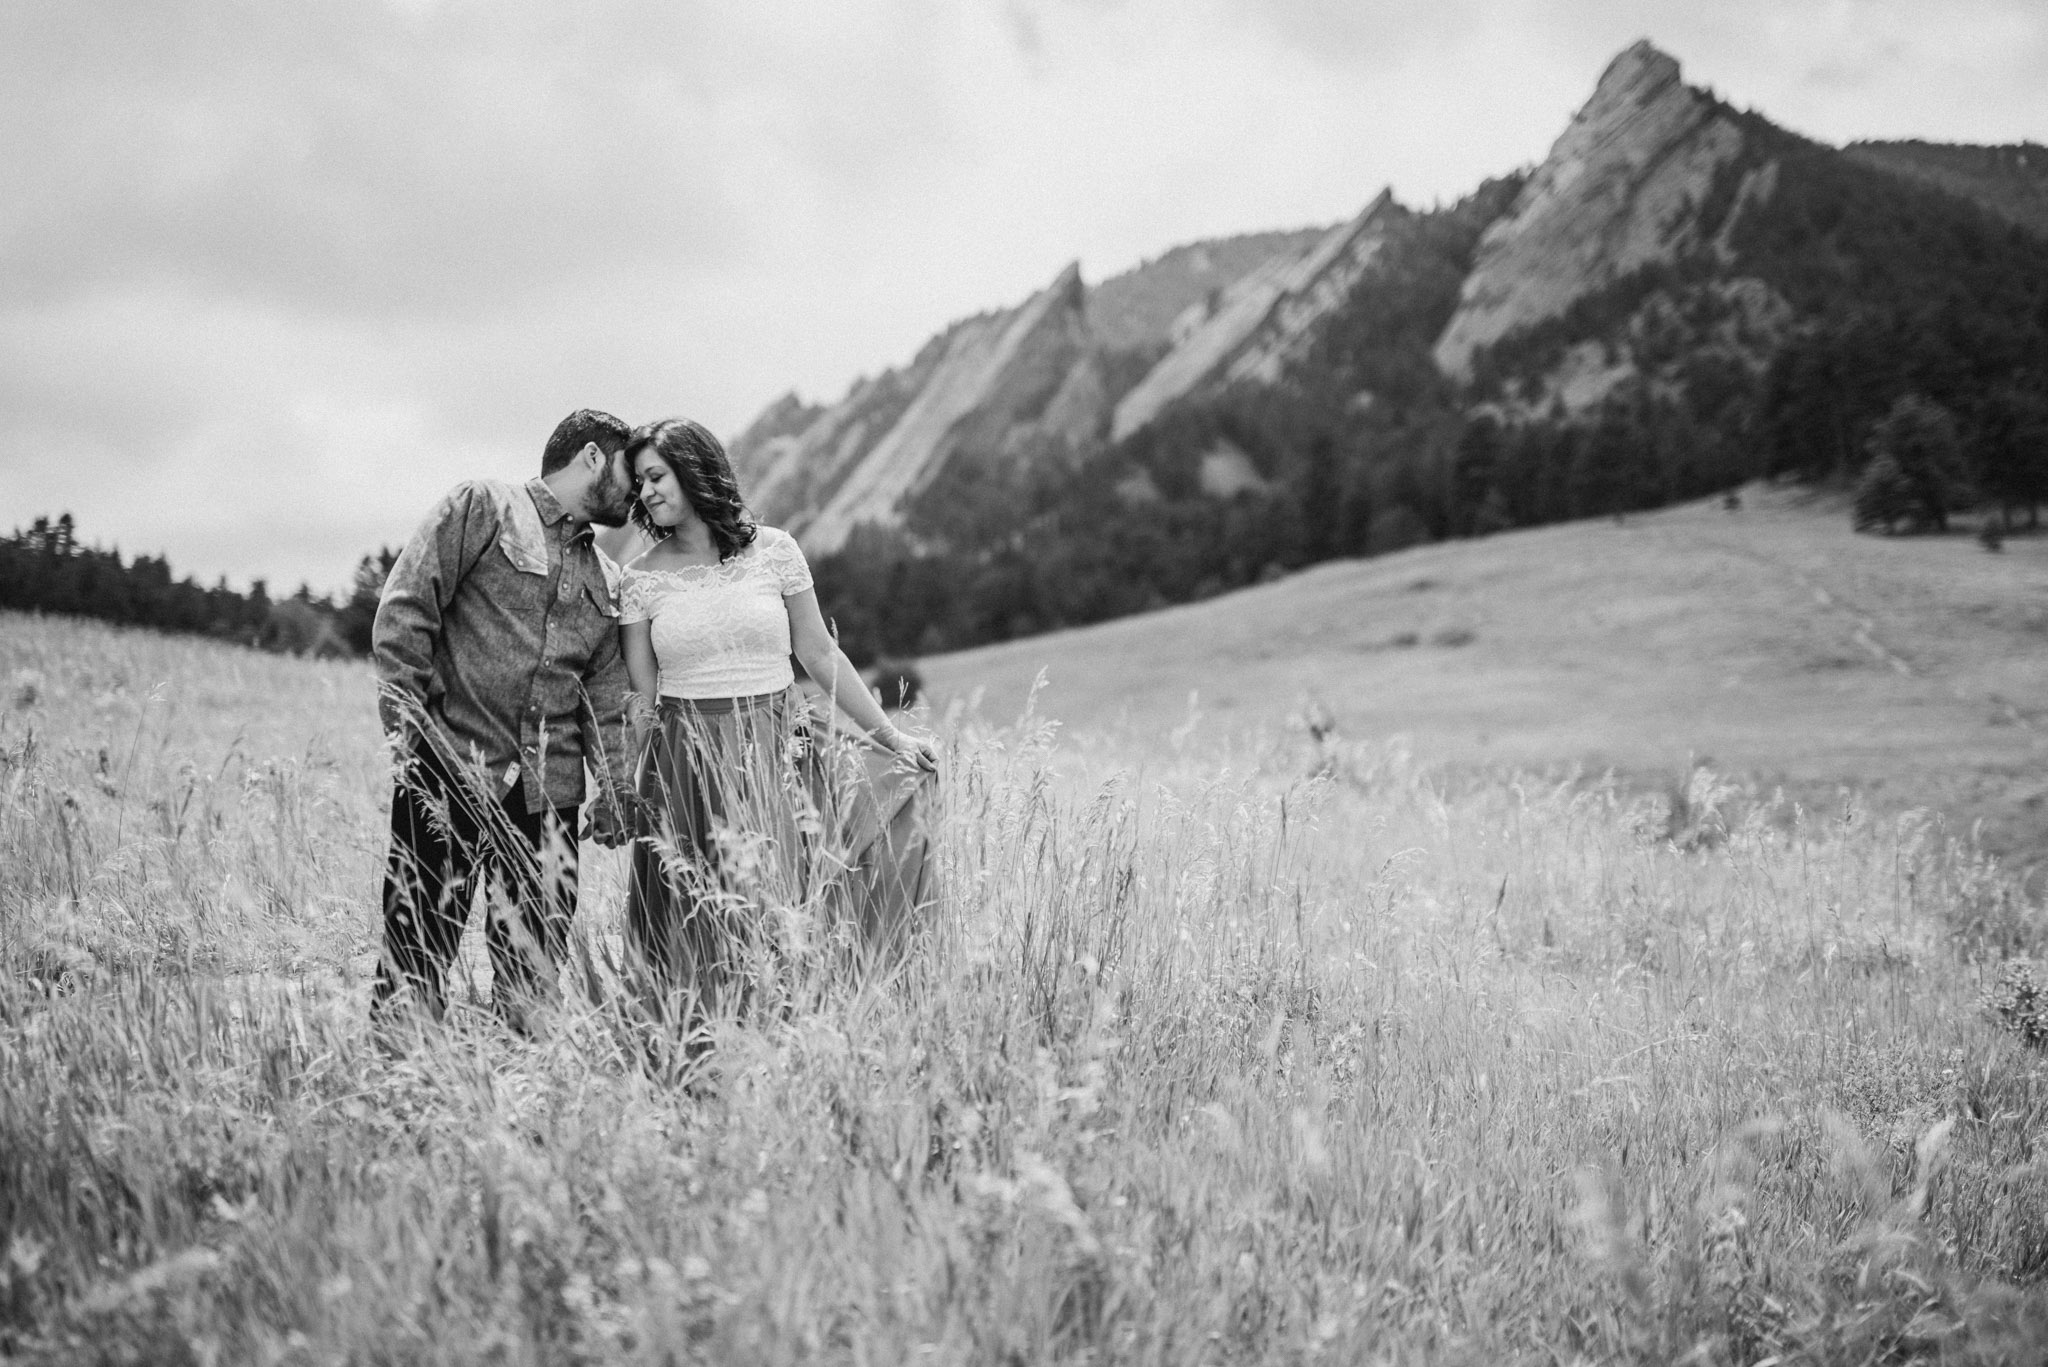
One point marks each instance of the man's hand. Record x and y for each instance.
(607, 825)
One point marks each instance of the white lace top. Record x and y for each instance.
(721, 631)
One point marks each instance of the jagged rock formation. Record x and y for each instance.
(1225, 471)
(1258, 324)
(1004, 385)
(1739, 320)
(1004, 369)
(1619, 190)
(1138, 309)
(820, 472)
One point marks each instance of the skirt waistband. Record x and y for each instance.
(718, 706)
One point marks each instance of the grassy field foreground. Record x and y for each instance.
(1235, 1055)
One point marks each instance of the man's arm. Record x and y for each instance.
(422, 583)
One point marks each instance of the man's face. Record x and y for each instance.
(611, 493)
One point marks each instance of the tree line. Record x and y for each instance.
(47, 568)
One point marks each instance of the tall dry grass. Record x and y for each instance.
(1212, 1056)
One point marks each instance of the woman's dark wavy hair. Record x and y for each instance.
(703, 470)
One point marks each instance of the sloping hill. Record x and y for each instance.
(1770, 641)
(2012, 182)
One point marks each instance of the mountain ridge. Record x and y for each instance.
(820, 470)
(2011, 181)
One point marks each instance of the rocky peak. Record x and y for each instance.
(785, 417)
(1005, 365)
(1155, 303)
(1619, 190)
(1251, 330)
(1637, 75)
(1068, 290)
(1004, 385)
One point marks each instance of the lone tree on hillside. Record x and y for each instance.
(1883, 497)
(1916, 473)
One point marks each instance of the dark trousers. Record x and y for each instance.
(448, 841)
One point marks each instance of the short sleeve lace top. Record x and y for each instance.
(721, 631)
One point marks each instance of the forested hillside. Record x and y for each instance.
(2010, 181)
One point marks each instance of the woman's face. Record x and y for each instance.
(660, 494)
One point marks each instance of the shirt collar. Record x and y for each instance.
(551, 509)
(552, 512)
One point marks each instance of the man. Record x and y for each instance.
(500, 675)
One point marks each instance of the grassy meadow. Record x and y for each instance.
(1234, 1047)
(1770, 642)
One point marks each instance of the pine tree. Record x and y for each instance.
(1919, 437)
(2013, 451)
(1884, 497)
(359, 613)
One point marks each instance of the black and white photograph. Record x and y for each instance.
(1024, 681)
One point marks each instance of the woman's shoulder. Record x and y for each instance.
(778, 552)
(656, 560)
(774, 544)
(636, 571)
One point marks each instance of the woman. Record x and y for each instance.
(755, 837)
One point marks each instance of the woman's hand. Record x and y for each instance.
(921, 751)
(640, 715)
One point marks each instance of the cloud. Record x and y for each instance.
(336, 156)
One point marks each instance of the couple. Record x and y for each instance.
(511, 652)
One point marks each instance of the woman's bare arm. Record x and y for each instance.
(827, 664)
(643, 678)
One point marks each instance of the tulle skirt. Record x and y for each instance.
(766, 847)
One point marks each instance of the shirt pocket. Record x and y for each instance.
(520, 595)
(524, 546)
(597, 619)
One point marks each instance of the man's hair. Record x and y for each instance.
(578, 430)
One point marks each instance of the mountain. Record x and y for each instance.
(1680, 297)
(1020, 373)
(1620, 190)
(1252, 330)
(1007, 385)
(1147, 306)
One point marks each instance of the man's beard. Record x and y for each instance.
(611, 498)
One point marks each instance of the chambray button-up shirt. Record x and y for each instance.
(500, 618)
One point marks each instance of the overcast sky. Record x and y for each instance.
(273, 275)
